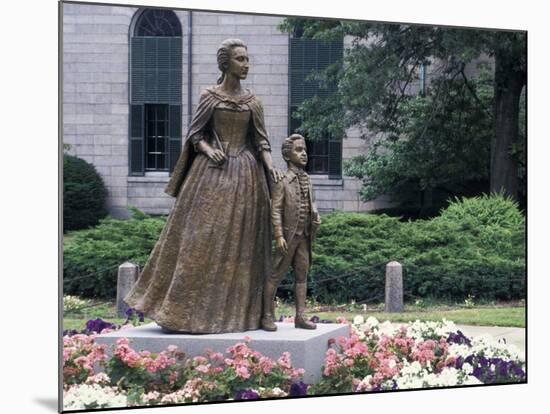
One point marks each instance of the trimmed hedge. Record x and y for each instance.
(84, 194)
(91, 257)
(476, 247)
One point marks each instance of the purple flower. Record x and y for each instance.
(98, 325)
(298, 389)
(516, 369)
(477, 373)
(246, 395)
(458, 338)
(314, 319)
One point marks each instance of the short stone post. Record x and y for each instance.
(394, 287)
(127, 277)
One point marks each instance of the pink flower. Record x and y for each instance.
(242, 372)
(200, 360)
(202, 368)
(122, 341)
(132, 359)
(150, 365)
(67, 352)
(266, 365)
(284, 360)
(341, 319)
(172, 348)
(172, 377)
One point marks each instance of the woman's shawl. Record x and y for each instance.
(199, 129)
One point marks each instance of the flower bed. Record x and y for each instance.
(374, 357)
(384, 356)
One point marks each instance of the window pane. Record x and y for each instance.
(161, 162)
(161, 144)
(150, 161)
(161, 129)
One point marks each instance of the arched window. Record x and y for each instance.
(155, 91)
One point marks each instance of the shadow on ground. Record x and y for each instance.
(49, 403)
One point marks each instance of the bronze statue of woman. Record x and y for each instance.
(205, 273)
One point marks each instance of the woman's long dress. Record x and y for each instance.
(206, 272)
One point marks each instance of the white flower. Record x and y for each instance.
(365, 385)
(386, 328)
(99, 378)
(459, 350)
(92, 396)
(467, 368)
(358, 320)
(371, 322)
(153, 395)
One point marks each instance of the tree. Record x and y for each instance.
(465, 127)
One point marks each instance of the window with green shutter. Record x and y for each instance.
(305, 57)
(155, 91)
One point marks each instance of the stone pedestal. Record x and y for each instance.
(394, 287)
(307, 347)
(127, 276)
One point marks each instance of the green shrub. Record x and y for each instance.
(475, 247)
(91, 257)
(84, 194)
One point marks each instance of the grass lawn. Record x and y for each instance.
(482, 314)
(486, 315)
(476, 316)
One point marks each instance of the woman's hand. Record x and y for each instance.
(276, 174)
(215, 155)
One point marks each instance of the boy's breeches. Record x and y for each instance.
(297, 256)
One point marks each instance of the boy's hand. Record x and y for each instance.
(281, 245)
(317, 219)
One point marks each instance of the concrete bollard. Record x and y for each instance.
(127, 276)
(394, 287)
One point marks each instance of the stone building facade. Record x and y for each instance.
(96, 88)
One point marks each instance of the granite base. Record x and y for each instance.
(307, 347)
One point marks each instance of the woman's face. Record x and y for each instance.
(238, 63)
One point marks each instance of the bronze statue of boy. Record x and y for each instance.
(295, 222)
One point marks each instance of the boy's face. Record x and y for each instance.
(298, 155)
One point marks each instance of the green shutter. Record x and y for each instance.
(137, 142)
(174, 147)
(156, 70)
(307, 55)
(335, 158)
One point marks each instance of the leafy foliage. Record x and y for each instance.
(91, 258)
(438, 139)
(476, 247)
(84, 194)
